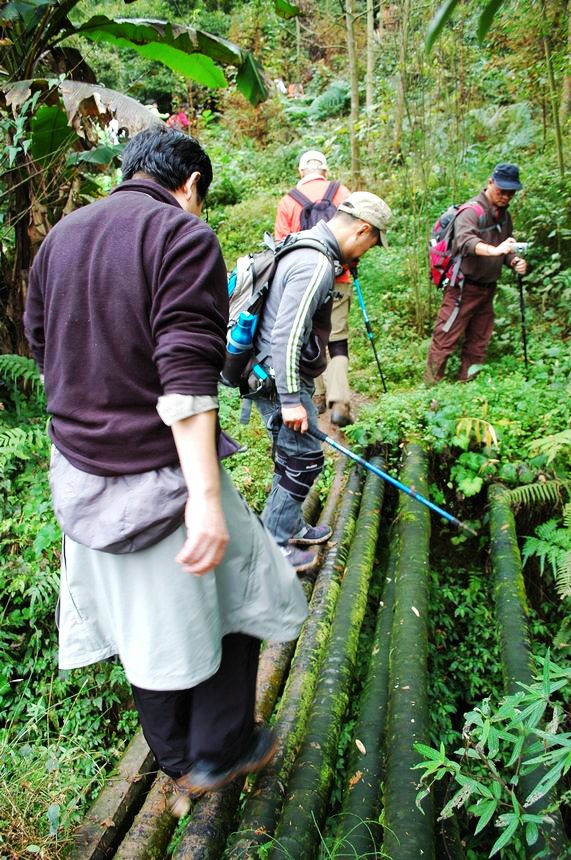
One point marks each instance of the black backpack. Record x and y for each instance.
(320, 210)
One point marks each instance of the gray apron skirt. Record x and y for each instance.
(166, 625)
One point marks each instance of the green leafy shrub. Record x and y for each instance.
(241, 228)
(502, 743)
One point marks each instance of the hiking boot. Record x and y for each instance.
(180, 801)
(340, 414)
(300, 560)
(320, 403)
(311, 535)
(206, 775)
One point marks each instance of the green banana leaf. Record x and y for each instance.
(51, 133)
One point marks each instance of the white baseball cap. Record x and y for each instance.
(313, 158)
(370, 208)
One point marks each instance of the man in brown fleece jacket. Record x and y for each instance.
(485, 243)
(163, 565)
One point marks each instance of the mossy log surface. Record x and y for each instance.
(358, 827)
(409, 833)
(151, 831)
(517, 665)
(304, 810)
(211, 823)
(112, 813)
(263, 804)
(509, 592)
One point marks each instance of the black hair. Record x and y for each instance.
(167, 156)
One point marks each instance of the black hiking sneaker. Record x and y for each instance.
(301, 561)
(206, 775)
(311, 535)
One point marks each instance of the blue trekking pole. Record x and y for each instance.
(367, 323)
(318, 434)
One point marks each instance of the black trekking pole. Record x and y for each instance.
(523, 328)
(367, 324)
(521, 248)
(318, 434)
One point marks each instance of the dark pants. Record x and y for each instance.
(475, 322)
(213, 720)
(282, 514)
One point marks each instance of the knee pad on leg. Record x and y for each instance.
(298, 472)
(338, 347)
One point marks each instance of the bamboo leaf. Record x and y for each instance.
(485, 809)
(506, 835)
(438, 22)
(486, 17)
(550, 779)
(531, 833)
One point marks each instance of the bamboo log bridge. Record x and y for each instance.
(305, 690)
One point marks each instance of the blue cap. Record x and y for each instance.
(506, 176)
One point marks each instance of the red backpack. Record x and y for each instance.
(444, 268)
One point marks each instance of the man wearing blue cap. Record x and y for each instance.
(483, 240)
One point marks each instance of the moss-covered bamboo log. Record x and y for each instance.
(359, 832)
(113, 810)
(151, 831)
(262, 806)
(409, 833)
(212, 820)
(304, 811)
(517, 664)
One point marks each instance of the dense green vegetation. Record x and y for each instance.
(430, 129)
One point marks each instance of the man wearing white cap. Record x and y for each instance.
(291, 340)
(313, 199)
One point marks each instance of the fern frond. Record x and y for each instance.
(563, 575)
(563, 637)
(44, 589)
(21, 443)
(551, 445)
(539, 493)
(18, 368)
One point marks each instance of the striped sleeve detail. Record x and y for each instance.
(294, 340)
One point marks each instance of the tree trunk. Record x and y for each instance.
(369, 83)
(401, 85)
(354, 79)
(552, 94)
(565, 105)
(13, 294)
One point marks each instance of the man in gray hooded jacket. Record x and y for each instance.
(292, 339)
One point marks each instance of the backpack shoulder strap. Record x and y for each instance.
(332, 190)
(294, 240)
(472, 204)
(300, 198)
